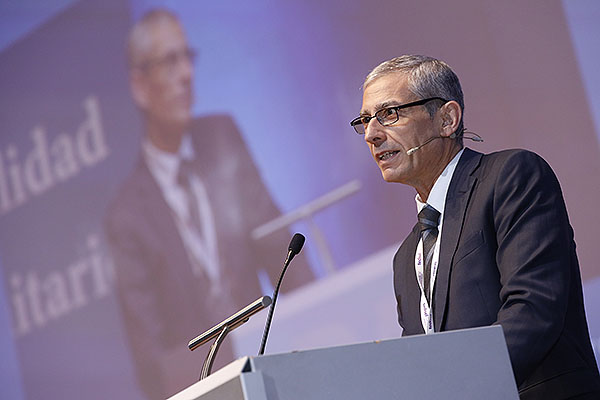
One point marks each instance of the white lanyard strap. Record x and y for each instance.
(425, 308)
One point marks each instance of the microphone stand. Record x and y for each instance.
(210, 358)
(221, 330)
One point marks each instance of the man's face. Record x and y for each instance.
(163, 85)
(388, 144)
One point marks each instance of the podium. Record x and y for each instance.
(462, 364)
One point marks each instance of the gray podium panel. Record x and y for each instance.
(465, 364)
(234, 381)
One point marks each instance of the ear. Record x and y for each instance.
(450, 115)
(139, 88)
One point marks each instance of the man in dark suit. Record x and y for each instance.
(179, 229)
(493, 244)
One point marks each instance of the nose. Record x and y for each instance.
(374, 133)
(185, 68)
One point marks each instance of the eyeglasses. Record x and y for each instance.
(170, 60)
(388, 115)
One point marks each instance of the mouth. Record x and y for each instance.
(386, 155)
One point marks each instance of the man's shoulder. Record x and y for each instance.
(213, 122)
(216, 133)
(519, 160)
(515, 154)
(505, 171)
(517, 171)
(137, 178)
(136, 188)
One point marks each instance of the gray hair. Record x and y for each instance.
(139, 42)
(427, 77)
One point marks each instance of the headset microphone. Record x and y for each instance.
(413, 149)
(472, 136)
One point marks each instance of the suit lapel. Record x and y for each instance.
(167, 239)
(408, 284)
(457, 200)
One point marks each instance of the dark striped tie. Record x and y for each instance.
(184, 179)
(429, 219)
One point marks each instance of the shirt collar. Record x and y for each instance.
(437, 196)
(164, 165)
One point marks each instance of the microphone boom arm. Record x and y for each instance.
(232, 322)
(221, 330)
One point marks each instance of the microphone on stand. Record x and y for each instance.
(294, 248)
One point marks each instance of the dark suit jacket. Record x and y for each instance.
(507, 257)
(163, 304)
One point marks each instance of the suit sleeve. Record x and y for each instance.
(534, 242)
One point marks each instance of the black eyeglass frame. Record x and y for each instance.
(169, 60)
(361, 122)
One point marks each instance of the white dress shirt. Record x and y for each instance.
(200, 242)
(437, 200)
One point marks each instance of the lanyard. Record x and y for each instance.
(425, 308)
